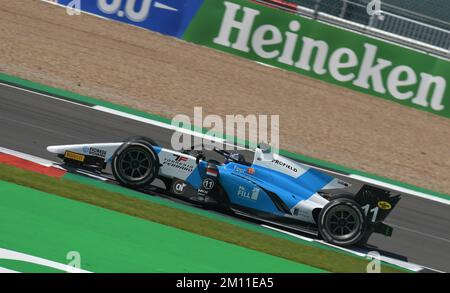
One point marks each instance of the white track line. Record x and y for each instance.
(91, 175)
(14, 255)
(164, 125)
(128, 116)
(288, 233)
(7, 271)
(37, 160)
(221, 140)
(44, 95)
(158, 124)
(400, 263)
(426, 235)
(400, 189)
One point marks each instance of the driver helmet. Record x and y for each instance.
(235, 157)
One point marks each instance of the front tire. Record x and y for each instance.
(135, 164)
(342, 222)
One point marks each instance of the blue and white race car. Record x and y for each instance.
(271, 188)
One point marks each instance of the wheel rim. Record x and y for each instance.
(342, 222)
(135, 164)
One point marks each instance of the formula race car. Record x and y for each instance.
(271, 188)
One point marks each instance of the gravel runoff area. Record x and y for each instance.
(166, 76)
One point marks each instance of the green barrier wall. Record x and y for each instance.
(324, 52)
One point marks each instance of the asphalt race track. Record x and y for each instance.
(30, 122)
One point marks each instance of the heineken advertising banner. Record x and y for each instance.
(324, 52)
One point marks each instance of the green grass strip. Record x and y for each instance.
(296, 251)
(24, 267)
(50, 227)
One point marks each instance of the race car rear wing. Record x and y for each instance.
(377, 204)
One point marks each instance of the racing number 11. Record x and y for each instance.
(374, 211)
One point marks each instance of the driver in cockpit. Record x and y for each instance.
(237, 158)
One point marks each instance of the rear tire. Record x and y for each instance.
(342, 222)
(135, 164)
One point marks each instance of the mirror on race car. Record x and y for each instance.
(265, 147)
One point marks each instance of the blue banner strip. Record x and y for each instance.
(169, 17)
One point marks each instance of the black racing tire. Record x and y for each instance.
(135, 164)
(342, 222)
